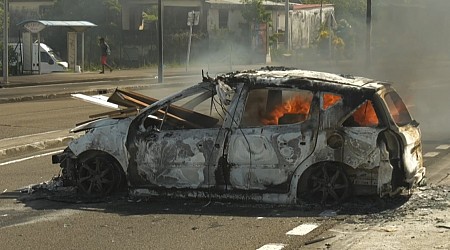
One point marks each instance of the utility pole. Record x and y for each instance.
(368, 32)
(5, 42)
(286, 24)
(160, 43)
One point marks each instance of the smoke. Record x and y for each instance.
(410, 47)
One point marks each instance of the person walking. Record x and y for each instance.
(106, 51)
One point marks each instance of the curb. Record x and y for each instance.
(37, 146)
(28, 84)
(67, 94)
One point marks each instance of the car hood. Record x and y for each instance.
(95, 124)
(64, 64)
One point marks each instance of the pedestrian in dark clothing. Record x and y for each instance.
(106, 51)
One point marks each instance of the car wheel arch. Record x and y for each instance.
(117, 167)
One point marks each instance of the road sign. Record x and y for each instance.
(193, 18)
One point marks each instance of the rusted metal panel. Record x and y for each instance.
(176, 158)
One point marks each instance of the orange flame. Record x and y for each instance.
(365, 116)
(330, 99)
(298, 105)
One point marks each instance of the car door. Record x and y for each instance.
(176, 146)
(277, 131)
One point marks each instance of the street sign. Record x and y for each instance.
(34, 27)
(193, 18)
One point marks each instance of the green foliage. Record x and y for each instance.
(106, 14)
(150, 14)
(255, 12)
(177, 43)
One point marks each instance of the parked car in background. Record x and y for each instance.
(275, 135)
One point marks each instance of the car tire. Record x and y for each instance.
(325, 183)
(98, 175)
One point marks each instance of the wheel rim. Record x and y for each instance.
(96, 176)
(328, 184)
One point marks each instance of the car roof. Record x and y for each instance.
(274, 75)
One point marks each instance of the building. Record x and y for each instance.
(221, 25)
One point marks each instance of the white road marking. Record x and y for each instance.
(443, 147)
(431, 154)
(29, 158)
(302, 229)
(272, 246)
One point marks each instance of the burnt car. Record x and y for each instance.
(276, 135)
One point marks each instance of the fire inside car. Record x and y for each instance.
(275, 135)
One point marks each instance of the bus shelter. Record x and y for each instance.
(34, 27)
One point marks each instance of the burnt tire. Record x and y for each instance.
(98, 175)
(326, 184)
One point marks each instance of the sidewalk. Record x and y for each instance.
(116, 74)
(65, 77)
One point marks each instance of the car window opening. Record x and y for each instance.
(276, 107)
(329, 100)
(202, 110)
(364, 116)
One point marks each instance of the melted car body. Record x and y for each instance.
(274, 135)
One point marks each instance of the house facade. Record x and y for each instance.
(222, 19)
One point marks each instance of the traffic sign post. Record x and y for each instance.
(193, 19)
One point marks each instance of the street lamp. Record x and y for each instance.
(286, 24)
(160, 43)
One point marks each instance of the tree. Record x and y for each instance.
(255, 12)
(258, 19)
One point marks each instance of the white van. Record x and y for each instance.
(49, 60)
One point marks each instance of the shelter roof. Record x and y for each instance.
(78, 26)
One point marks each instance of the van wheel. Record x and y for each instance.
(98, 176)
(326, 184)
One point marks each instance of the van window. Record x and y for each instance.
(364, 116)
(276, 107)
(45, 57)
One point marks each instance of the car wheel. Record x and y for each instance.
(326, 184)
(98, 175)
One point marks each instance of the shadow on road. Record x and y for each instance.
(123, 205)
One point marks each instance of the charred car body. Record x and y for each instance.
(272, 135)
